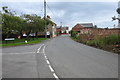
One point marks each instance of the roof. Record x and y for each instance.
(87, 25)
(78, 26)
(58, 26)
(65, 28)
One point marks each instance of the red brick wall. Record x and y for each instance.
(98, 33)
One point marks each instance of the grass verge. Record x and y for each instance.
(109, 43)
(21, 42)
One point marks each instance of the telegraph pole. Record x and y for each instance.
(61, 26)
(45, 18)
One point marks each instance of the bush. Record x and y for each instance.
(74, 35)
(109, 40)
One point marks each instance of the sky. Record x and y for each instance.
(69, 13)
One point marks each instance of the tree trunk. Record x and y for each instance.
(36, 35)
(28, 33)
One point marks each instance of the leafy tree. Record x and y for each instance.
(11, 24)
(6, 10)
(34, 24)
(0, 25)
(114, 18)
(95, 26)
(118, 10)
(27, 23)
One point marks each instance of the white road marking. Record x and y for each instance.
(19, 53)
(38, 51)
(51, 69)
(44, 54)
(49, 65)
(46, 58)
(48, 62)
(55, 76)
(44, 49)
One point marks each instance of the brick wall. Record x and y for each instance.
(92, 33)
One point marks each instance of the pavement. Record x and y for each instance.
(59, 57)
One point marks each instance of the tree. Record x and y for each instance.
(17, 24)
(8, 11)
(95, 26)
(34, 24)
(114, 18)
(0, 25)
(11, 24)
(118, 10)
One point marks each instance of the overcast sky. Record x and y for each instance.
(70, 13)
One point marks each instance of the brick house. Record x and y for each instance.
(90, 33)
(83, 28)
(77, 28)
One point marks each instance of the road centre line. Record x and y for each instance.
(51, 69)
(44, 49)
(46, 58)
(55, 76)
(38, 51)
(49, 65)
(48, 62)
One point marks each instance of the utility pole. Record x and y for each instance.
(61, 26)
(45, 18)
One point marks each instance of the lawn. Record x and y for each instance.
(17, 42)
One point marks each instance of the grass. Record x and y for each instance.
(18, 42)
(108, 40)
(108, 43)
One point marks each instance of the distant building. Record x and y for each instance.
(77, 28)
(87, 25)
(52, 30)
(58, 30)
(62, 30)
(65, 30)
(82, 26)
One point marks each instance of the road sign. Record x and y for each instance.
(48, 33)
(8, 39)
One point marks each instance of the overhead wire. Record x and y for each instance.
(59, 19)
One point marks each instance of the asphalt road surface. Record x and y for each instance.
(59, 57)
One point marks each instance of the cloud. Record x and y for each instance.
(60, 0)
(97, 13)
(70, 13)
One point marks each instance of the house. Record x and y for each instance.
(77, 28)
(52, 30)
(65, 30)
(58, 30)
(87, 25)
(83, 28)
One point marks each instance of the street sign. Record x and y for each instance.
(48, 33)
(8, 39)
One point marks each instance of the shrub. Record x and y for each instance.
(111, 39)
(108, 40)
(74, 34)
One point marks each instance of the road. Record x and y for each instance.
(59, 57)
